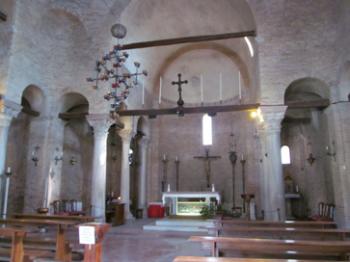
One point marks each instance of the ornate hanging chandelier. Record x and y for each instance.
(111, 68)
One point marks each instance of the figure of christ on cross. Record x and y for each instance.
(207, 160)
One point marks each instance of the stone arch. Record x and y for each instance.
(77, 150)
(306, 89)
(33, 97)
(74, 101)
(305, 131)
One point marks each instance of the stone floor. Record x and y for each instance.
(129, 243)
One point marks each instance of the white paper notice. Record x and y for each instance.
(87, 235)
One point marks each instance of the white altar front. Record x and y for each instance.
(189, 203)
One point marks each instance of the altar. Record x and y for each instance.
(189, 203)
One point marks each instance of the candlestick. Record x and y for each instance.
(239, 86)
(220, 86)
(160, 89)
(201, 88)
(242, 157)
(176, 158)
(143, 93)
(8, 171)
(164, 157)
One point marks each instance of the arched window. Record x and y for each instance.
(285, 155)
(207, 130)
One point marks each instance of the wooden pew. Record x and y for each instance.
(233, 259)
(17, 235)
(81, 219)
(275, 247)
(63, 252)
(287, 223)
(296, 233)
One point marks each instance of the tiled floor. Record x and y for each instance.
(129, 243)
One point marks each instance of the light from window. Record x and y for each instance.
(250, 46)
(207, 130)
(285, 155)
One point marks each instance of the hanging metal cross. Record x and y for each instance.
(179, 83)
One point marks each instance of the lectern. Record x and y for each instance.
(91, 236)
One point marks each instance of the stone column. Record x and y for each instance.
(126, 135)
(100, 124)
(272, 187)
(8, 110)
(143, 174)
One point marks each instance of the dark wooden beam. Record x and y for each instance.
(185, 40)
(30, 112)
(69, 116)
(319, 103)
(211, 110)
(3, 17)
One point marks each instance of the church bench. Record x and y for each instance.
(295, 233)
(81, 219)
(287, 223)
(274, 247)
(234, 259)
(17, 235)
(62, 252)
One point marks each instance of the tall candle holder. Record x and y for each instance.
(165, 167)
(177, 169)
(8, 174)
(243, 162)
(233, 160)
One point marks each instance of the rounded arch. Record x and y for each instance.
(33, 97)
(306, 89)
(216, 50)
(74, 101)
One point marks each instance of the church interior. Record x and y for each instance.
(174, 130)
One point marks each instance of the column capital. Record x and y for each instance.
(126, 134)
(100, 123)
(8, 110)
(273, 116)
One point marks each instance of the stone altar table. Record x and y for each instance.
(189, 203)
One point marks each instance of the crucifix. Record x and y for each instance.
(180, 101)
(207, 160)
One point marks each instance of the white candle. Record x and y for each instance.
(7, 186)
(160, 90)
(176, 158)
(164, 156)
(220, 79)
(242, 157)
(8, 170)
(239, 85)
(202, 88)
(143, 93)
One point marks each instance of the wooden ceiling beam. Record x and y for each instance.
(211, 110)
(3, 16)
(189, 39)
(319, 103)
(30, 111)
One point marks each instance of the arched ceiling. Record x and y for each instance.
(153, 19)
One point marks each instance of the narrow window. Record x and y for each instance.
(285, 155)
(207, 130)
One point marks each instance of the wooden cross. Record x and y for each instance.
(3, 17)
(179, 83)
(207, 159)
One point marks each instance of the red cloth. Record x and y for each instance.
(155, 211)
